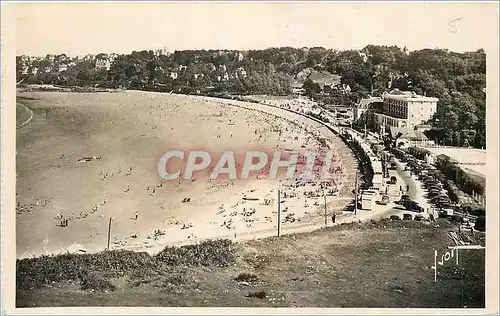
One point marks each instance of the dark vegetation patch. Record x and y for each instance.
(93, 270)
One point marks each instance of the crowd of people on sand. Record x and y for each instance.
(287, 133)
(31, 207)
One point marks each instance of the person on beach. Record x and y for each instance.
(333, 218)
(136, 215)
(407, 188)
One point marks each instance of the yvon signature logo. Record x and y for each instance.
(447, 256)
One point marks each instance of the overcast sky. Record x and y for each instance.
(81, 28)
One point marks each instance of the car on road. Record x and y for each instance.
(441, 199)
(413, 206)
(434, 193)
(448, 211)
(403, 198)
(419, 217)
(407, 217)
(385, 200)
(444, 205)
(431, 182)
(393, 180)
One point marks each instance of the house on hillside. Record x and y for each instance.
(62, 67)
(102, 64)
(297, 88)
(173, 75)
(241, 72)
(239, 57)
(364, 56)
(61, 58)
(88, 57)
(409, 136)
(345, 88)
(211, 67)
(24, 70)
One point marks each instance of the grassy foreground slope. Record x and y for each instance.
(377, 264)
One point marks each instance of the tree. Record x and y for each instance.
(480, 224)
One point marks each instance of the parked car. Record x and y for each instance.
(444, 204)
(418, 217)
(433, 194)
(385, 200)
(393, 180)
(403, 198)
(394, 218)
(440, 199)
(413, 206)
(446, 211)
(407, 217)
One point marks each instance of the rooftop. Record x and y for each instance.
(366, 102)
(408, 133)
(407, 95)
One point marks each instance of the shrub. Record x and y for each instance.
(95, 281)
(261, 294)
(480, 224)
(42, 271)
(246, 277)
(210, 252)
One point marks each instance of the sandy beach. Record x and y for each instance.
(126, 133)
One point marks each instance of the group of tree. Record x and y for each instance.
(457, 79)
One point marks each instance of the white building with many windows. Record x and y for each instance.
(406, 109)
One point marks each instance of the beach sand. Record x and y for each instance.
(128, 132)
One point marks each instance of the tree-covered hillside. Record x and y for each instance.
(457, 79)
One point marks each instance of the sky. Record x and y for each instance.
(82, 28)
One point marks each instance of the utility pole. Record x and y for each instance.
(279, 213)
(324, 195)
(109, 232)
(356, 194)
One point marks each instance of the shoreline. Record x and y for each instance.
(30, 111)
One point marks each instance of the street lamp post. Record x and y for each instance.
(356, 193)
(324, 197)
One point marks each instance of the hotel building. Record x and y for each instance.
(405, 109)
